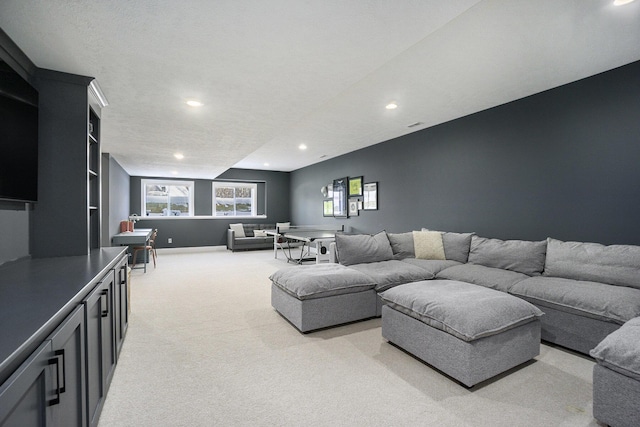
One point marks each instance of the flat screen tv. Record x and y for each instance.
(18, 137)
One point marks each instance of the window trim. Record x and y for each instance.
(254, 198)
(167, 182)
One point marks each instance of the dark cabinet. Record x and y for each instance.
(100, 344)
(121, 302)
(49, 387)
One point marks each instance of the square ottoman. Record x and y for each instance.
(469, 332)
(616, 377)
(318, 296)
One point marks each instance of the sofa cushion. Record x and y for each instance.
(461, 309)
(387, 274)
(238, 230)
(320, 280)
(614, 264)
(402, 245)
(591, 299)
(361, 248)
(433, 266)
(259, 233)
(456, 245)
(516, 255)
(489, 277)
(620, 350)
(428, 245)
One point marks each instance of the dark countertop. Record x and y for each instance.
(37, 294)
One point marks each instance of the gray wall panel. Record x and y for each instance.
(562, 163)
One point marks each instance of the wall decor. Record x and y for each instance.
(327, 209)
(330, 190)
(370, 191)
(353, 207)
(340, 198)
(355, 186)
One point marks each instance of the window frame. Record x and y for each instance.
(168, 183)
(235, 184)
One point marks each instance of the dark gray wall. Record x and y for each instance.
(563, 163)
(208, 231)
(115, 197)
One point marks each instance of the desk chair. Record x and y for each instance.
(150, 248)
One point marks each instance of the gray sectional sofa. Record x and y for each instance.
(585, 290)
(249, 236)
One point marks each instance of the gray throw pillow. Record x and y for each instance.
(362, 248)
(402, 245)
(614, 264)
(515, 255)
(619, 351)
(456, 245)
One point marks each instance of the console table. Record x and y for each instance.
(138, 237)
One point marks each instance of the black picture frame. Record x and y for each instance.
(355, 186)
(340, 208)
(370, 196)
(354, 207)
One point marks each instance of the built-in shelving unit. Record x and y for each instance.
(93, 153)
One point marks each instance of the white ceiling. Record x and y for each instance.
(275, 74)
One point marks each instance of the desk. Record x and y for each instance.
(139, 237)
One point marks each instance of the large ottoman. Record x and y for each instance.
(469, 332)
(318, 296)
(616, 377)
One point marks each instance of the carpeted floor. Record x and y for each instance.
(205, 348)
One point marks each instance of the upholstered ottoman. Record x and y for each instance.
(322, 295)
(616, 377)
(469, 332)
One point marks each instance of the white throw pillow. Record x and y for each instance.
(428, 245)
(259, 233)
(238, 229)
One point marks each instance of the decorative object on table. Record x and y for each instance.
(340, 198)
(355, 186)
(370, 193)
(353, 207)
(327, 207)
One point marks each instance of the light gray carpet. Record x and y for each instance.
(205, 348)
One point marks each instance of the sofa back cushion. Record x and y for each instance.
(362, 248)
(614, 264)
(402, 245)
(515, 255)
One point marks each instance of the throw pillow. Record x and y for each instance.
(456, 245)
(238, 229)
(259, 233)
(402, 245)
(362, 248)
(428, 245)
(283, 226)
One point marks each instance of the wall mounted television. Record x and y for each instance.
(18, 137)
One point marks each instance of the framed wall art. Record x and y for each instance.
(353, 207)
(355, 186)
(327, 209)
(370, 194)
(340, 198)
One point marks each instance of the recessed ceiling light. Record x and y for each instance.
(194, 103)
(302, 147)
(266, 164)
(174, 172)
(621, 2)
(179, 156)
(391, 106)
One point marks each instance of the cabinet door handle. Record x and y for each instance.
(55, 400)
(123, 274)
(64, 369)
(105, 313)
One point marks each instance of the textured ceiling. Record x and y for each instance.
(276, 74)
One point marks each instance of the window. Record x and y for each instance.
(234, 199)
(167, 198)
